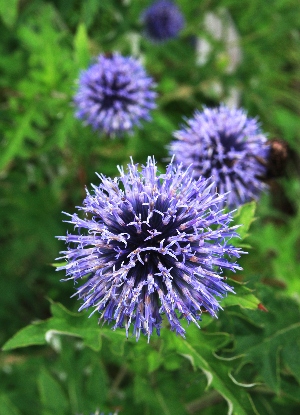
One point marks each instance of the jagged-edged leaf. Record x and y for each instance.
(63, 322)
(243, 297)
(275, 345)
(201, 355)
(267, 352)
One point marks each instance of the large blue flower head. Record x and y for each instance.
(226, 145)
(115, 94)
(151, 244)
(162, 20)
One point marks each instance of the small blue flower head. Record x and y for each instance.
(151, 244)
(114, 94)
(162, 20)
(226, 145)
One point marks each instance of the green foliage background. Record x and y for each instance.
(60, 362)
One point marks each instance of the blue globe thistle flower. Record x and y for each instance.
(151, 244)
(226, 145)
(162, 20)
(115, 94)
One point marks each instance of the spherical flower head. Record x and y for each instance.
(162, 20)
(226, 145)
(151, 244)
(115, 94)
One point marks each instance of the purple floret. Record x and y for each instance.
(151, 244)
(115, 94)
(226, 145)
(162, 20)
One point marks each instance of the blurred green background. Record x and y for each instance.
(47, 157)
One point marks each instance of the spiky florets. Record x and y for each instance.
(115, 94)
(156, 244)
(226, 145)
(162, 20)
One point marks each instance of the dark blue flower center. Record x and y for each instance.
(107, 94)
(225, 150)
(147, 233)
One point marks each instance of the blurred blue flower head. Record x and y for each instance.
(115, 94)
(151, 244)
(226, 145)
(162, 20)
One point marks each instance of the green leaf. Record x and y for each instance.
(201, 356)
(89, 10)
(63, 322)
(172, 362)
(244, 217)
(278, 246)
(154, 360)
(160, 396)
(7, 407)
(9, 11)
(274, 347)
(243, 297)
(266, 354)
(15, 142)
(81, 46)
(51, 393)
(117, 340)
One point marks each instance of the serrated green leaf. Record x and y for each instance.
(265, 355)
(275, 346)
(33, 334)
(63, 322)
(243, 296)
(217, 372)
